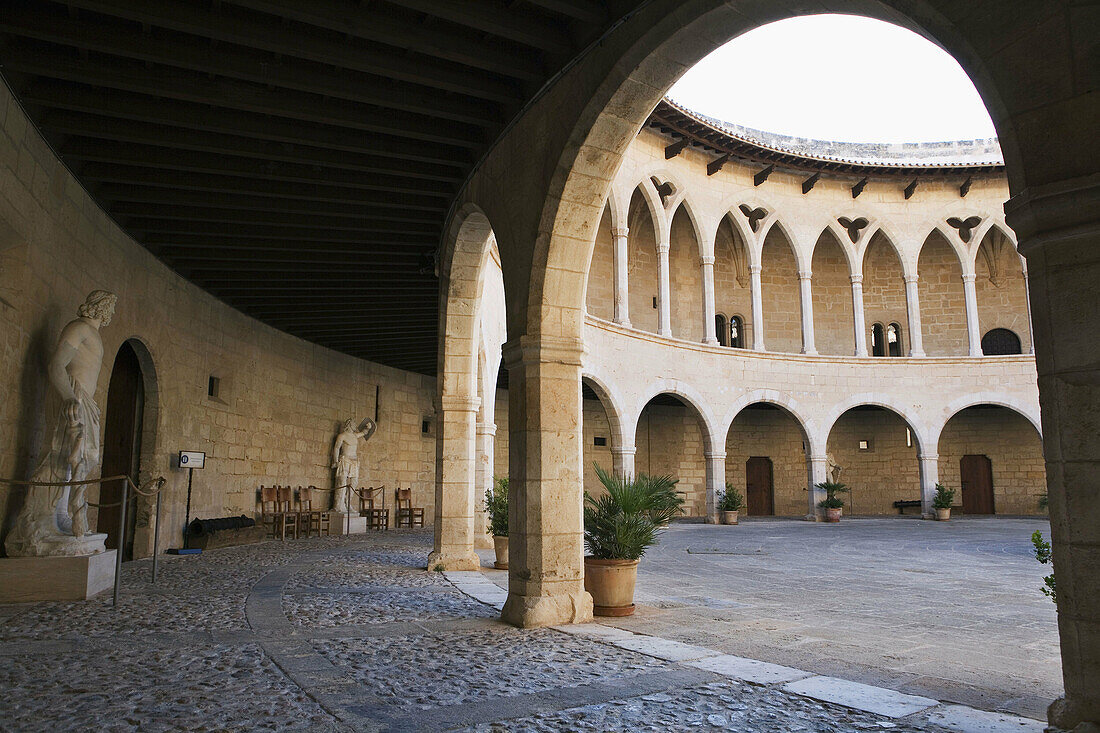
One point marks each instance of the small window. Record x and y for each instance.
(654, 302)
(908, 438)
(867, 446)
(720, 331)
(425, 426)
(893, 339)
(213, 387)
(1001, 342)
(878, 340)
(737, 332)
(599, 441)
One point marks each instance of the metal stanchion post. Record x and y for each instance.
(121, 536)
(156, 537)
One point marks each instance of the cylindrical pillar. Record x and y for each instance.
(707, 264)
(716, 482)
(622, 460)
(806, 296)
(622, 278)
(483, 480)
(929, 477)
(973, 331)
(857, 315)
(912, 305)
(1030, 326)
(757, 309)
(456, 448)
(664, 292)
(819, 472)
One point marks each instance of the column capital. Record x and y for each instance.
(856, 279)
(663, 248)
(822, 457)
(623, 450)
(542, 350)
(486, 428)
(711, 455)
(459, 403)
(707, 259)
(620, 231)
(805, 274)
(928, 457)
(910, 278)
(969, 277)
(1054, 212)
(754, 269)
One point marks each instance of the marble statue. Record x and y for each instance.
(54, 519)
(834, 468)
(345, 461)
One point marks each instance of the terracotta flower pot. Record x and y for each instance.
(729, 517)
(611, 583)
(832, 515)
(942, 515)
(501, 546)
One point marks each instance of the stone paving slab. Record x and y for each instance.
(749, 670)
(596, 631)
(968, 720)
(857, 695)
(655, 646)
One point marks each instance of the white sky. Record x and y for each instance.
(837, 77)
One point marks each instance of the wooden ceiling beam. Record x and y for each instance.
(203, 221)
(246, 65)
(495, 19)
(189, 86)
(129, 201)
(351, 249)
(582, 10)
(165, 159)
(132, 132)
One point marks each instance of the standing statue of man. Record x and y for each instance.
(834, 468)
(48, 525)
(345, 460)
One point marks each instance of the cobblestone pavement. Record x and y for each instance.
(948, 610)
(352, 634)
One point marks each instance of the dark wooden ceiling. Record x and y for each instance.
(295, 158)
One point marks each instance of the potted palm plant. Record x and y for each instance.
(942, 502)
(729, 503)
(832, 504)
(619, 526)
(496, 504)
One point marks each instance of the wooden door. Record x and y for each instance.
(977, 484)
(121, 443)
(759, 493)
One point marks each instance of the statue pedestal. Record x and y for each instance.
(340, 524)
(72, 578)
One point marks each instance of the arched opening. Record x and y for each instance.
(766, 460)
(943, 304)
(883, 288)
(737, 336)
(993, 456)
(721, 329)
(893, 339)
(1001, 342)
(600, 298)
(878, 340)
(598, 436)
(685, 278)
(1000, 288)
(876, 450)
(492, 333)
(832, 298)
(670, 439)
(643, 284)
(780, 294)
(732, 283)
(122, 446)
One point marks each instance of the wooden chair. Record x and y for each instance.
(372, 505)
(407, 515)
(285, 513)
(269, 513)
(312, 519)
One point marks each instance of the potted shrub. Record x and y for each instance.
(619, 526)
(729, 503)
(942, 502)
(832, 504)
(496, 504)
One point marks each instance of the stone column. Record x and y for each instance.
(1059, 229)
(622, 459)
(929, 476)
(486, 446)
(1030, 325)
(757, 310)
(819, 471)
(622, 279)
(807, 299)
(454, 494)
(857, 315)
(545, 540)
(972, 330)
(707, 263)
(716, 482)
(664, 292)
(912, 305)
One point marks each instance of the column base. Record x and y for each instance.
(712, 519)
(814, 518)
(443, 561)
(624, 323)
(529, 612)
(811, 352)
(1067, 714)
(710, 341)
(928, 515)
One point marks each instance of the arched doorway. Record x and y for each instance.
(122, 444)
(876, 450)
(671, 438)
(766, 460)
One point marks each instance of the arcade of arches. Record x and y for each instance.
(920, 322)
